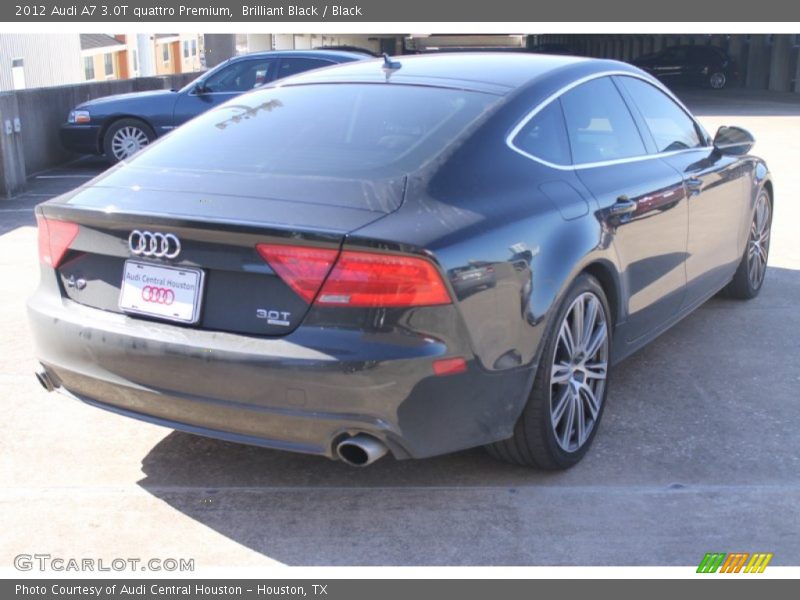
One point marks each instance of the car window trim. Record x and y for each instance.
(557, 94)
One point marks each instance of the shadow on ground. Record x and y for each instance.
(698, 432)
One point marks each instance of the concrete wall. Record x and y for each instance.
(218, 47)
(12, 159)
(42, 112)
(300, 41)
(258, 42)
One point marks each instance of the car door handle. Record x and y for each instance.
(623, 206)
(695, 185)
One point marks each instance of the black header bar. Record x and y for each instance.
(731, 588)
(388, 11)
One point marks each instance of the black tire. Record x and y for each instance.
(717, 80)
(743, 286)
(136, 130)
(534, 443)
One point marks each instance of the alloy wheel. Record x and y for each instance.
(758, 243)
(717, 80)
(128, 141)
(578, 373)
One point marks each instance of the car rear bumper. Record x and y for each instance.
(81, 139)
(302, 392)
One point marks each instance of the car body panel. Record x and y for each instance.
(650, 243)
(298, 392)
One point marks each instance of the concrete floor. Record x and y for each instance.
(698, 451)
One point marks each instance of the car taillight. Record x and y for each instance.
(357, 279)
(449, 366)
(302, 268)
(382, 280)
(55, 238)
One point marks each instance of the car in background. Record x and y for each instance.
(118, 126)
(552, 48)
(473, 277)
(695, 65)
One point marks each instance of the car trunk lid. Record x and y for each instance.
(218, 233)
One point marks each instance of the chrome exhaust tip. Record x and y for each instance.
(44, 380)
(360, 450)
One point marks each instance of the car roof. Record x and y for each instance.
(318, 53)
(496, 72)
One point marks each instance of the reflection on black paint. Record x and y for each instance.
(248, 112)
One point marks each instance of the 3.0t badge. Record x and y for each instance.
(274, 317)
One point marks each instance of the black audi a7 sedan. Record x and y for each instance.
(118, 126)
(707, 66)
(291, 269)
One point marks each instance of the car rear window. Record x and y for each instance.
(321, 130)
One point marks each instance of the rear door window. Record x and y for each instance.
(240, 76)
(599, 125)
(292, 66)
(671, 127)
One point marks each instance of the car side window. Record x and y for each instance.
(241, 76)
(599, 125)
(545, 136)
(671, 127)
(292, 66)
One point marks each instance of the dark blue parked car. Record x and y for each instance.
(120, 125)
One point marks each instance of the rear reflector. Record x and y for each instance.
(55, 238)
(449, 366)
(302, 268)
(357, 279)
(368, 279)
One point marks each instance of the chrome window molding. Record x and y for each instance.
(193, 93)
(329, 62)
(617, 161)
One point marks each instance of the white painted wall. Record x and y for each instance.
(53, 59)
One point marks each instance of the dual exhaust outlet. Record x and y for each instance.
(44, 380)
(359, 450)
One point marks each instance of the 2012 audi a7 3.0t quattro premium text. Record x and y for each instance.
(413, 255)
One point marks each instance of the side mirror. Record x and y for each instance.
(733, 140)
(200, 89)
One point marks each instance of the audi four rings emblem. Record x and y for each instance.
(157, 245)
(158, 295)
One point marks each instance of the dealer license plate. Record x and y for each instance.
(164, 292)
